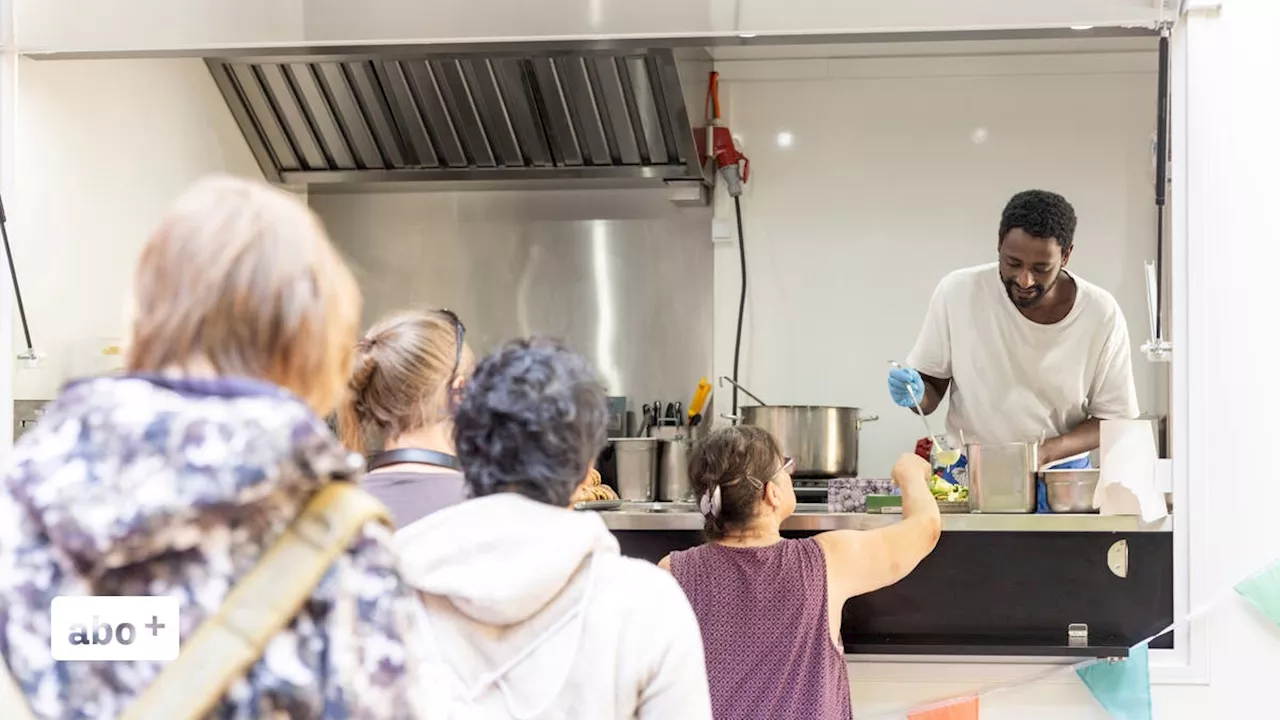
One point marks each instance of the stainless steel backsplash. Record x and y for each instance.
(623, 276)
(26, 413)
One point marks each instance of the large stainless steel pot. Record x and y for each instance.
(822, 439)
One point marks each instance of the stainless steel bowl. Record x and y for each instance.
(1071, 491)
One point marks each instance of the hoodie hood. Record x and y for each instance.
(120, 471)
(503, 558)
(507, 583)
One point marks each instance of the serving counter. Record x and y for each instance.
(814, 517)
(995, 586)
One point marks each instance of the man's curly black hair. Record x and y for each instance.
(532, 420)
(1041, 214)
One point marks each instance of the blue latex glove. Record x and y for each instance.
(1042, 492)
(899, 380)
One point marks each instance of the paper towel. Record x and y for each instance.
(1127, 478)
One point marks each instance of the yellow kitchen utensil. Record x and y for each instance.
(700, 395)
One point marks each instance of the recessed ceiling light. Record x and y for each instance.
(785, 139)
(1081, 27)
(746, 36)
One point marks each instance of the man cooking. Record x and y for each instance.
(1026, 349)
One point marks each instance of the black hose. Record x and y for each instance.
(13, 273)
(742, 301)
(1162, 155)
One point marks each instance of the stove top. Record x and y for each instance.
(811, 489)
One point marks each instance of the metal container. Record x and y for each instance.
(636, 464)
(673, 470)
(822, 439)
(1002, 478)
(26, 413)
(1071, 491)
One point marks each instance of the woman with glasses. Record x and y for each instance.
(406, 378)
(769, 608)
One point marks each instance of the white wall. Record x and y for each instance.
(102, 147)
(897, 174)
(8, 162)
(1233, 152)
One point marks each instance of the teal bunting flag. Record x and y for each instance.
(1122, 687)
(1262, 590)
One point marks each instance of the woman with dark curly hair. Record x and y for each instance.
(529, 609)
(769, 608)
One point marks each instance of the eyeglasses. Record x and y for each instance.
(461, 331)
(788, 464)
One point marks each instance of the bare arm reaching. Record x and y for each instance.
(860, 561)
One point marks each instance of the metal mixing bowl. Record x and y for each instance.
(1071, 491)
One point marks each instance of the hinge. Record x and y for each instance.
(1077, 635)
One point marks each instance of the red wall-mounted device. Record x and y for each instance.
(730, 163)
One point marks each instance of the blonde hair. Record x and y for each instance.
(241, 277)
(401, 376)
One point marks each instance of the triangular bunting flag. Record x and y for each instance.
(1262, 590)
(1123, 687)
(966, 709)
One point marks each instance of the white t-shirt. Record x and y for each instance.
(1013, 379)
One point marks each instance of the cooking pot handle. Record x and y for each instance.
(748, 393)
(735, 418)
(867, 419)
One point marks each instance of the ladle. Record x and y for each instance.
(940, 444)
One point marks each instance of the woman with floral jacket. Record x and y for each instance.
(175, 477)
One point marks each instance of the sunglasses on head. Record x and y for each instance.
(460, 331)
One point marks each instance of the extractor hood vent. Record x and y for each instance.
(589, 116)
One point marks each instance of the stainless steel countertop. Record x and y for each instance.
(815, 517)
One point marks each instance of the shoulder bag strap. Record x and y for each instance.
(12, 699)
(258, 607)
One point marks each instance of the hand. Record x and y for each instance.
(1048, 452)
(911, 468)
(903, 382)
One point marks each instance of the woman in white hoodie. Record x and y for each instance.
(529, 610)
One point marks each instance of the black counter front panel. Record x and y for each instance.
(1001, 593)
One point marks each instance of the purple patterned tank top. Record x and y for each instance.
(763, 614)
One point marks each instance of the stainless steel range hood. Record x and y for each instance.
(615, 116)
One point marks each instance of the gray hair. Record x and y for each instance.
(532, 420)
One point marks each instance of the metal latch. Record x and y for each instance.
(1077, 635)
